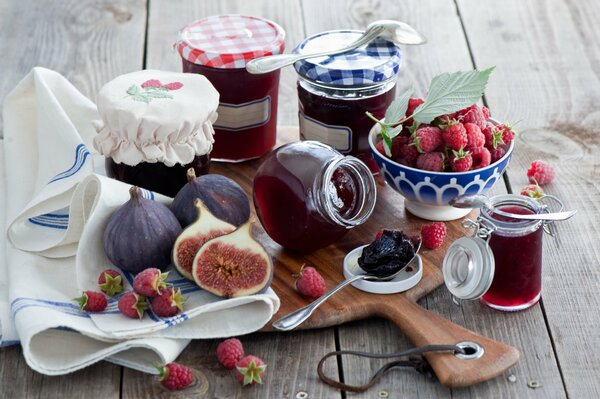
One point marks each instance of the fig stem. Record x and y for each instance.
(135, 194)
(191, 175)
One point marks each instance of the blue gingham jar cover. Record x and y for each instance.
(376, 62)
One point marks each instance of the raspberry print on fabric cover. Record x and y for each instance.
(152, 89)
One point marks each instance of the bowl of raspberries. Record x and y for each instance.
(465, 152)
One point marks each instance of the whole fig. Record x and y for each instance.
(140, 234)
(223, 197)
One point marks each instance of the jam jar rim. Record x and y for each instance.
(367, 200)
(513, 227)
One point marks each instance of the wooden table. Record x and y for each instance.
(547, 78)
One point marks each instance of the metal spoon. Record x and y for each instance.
(481, 201)
(297, 317)
(398, 32)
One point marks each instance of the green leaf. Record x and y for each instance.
(133, 90)
(451, 92)
(397, 108)
(158, 94)
(387, 141)
(141, 98)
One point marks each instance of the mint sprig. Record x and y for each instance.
(448, 93)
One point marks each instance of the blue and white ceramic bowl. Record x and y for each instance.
(427, 193)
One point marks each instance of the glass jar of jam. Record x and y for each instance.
(334, 92)
(307, 195)
(219, 47)
(502, 263)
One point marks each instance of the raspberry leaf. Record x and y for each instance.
(451, 92)
(397, 108)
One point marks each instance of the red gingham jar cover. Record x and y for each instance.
(229, 41)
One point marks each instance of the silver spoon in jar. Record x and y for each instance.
(297, 317)
(398, 32)
(481, 201)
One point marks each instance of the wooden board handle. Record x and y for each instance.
(423, 327)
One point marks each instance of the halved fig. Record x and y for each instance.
(205, 228)
(233, 265)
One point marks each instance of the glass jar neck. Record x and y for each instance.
(345, 192)
(512, 227)
(347, 92)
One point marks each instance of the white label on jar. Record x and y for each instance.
(243, 116)
(339, 137)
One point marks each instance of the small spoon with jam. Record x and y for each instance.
(383, 260)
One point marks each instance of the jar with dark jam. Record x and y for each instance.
(335, 92)
(307, 195)
(219, 47)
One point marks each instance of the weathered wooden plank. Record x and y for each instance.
(446, 50)
(90, 42)
(548, 77)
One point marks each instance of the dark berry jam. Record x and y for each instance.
(343, 111)
(158, 177)
(517, 282)
(247, 123)
(298, 208)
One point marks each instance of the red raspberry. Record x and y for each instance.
(481, 158)
(413, 103)
(397, 143)
(455, 135)
(173, 86)
(175, 376)
(473, 114)
(475, 138)
(461, 161)
(408, 155)
(508, 134)
(540, 172)
(497, 153)
(379, 147)
(486, 112)
(151, 83)
(427, 138)
(168, 303)
(229, 352)
(493, 136)
(110, 282)
(433, 234)
(92, 301)
(150, 282)
(533, 191)
(310, 283)
(433, 161)
(133, 305)
(250, 370)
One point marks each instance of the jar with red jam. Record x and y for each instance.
(219, 47)
(308, 195)
(155, 126)
(335, 92)
(502, 263)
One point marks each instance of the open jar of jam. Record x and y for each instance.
(155, 126)
(219, 47)
(502, 263)
(334, 92)
(307, 195)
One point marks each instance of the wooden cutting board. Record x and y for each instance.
(422, 326)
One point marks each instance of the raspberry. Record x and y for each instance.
(497, 153)
(150, 282)
(397, 143)
(168, 303)
(151, 83)
(508, 134)
(533, 191)
(413, 103)
(473, 114)
(493, 136)
(486, 112)
(461, 161)
(92, 301)
(250, 370)
(540, 172)
(433, 234)
(133, 305)
(455, 135)
(310, 283)
(427, 138)
(173, 86)
(379, 147)
(433, 161)
(175, 376)
(229, 352)
(481, 158)
(110, 282)
(408, 155)
(475, 137)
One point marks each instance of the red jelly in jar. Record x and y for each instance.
(219, 47)
(334, 92)
(307, 195)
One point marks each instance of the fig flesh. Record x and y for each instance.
(206, 227)
(221, 195)
(140, 234)
(233, 265)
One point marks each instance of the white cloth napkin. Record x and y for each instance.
(56, 201)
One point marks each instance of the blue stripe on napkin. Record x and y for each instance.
(81, 154)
